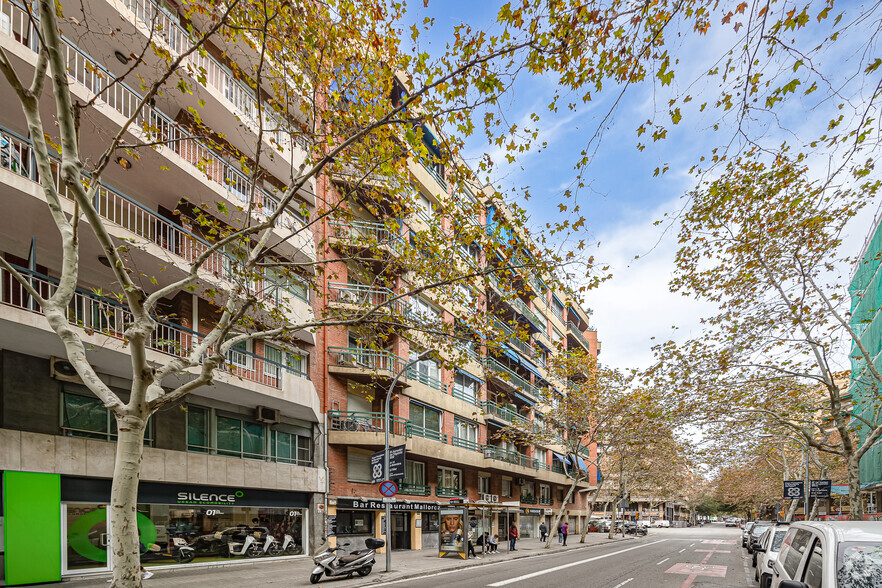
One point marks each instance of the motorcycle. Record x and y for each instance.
(358, 562)
(179, 551)
(287, 547)
(257, 543)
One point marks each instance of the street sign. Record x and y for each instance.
(388, 488)
(820, 489)
(794, 489)
(396, 465)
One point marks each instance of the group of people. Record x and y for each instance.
(563, 529)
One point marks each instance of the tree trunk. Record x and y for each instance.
(590, 510)
(855, 504)
(791, 511)
(552, 531)
(124, 503)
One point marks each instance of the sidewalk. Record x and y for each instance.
(295, 572)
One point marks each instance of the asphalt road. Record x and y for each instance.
(680, 558)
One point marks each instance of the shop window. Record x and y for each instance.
(358, 466)
(414, 473)
(431, 521)
(506, 487)
(355, 522)
(449, 478)
(85, 416)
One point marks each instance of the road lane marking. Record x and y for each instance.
(682, 550)
(623, 583)
(569, 565)
(662, 561)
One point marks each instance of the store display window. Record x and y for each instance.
(355, 522)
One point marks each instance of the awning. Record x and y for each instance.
(562, 458)
(510, 353)
(530, 367)
(524, 398)
(582, 463)
(473, 377)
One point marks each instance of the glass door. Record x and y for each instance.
(86, 538)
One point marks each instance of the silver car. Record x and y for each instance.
(836, 554)
(767, 553)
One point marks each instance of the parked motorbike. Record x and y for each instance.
(288, 547)
(179, 552)
(358, 562)
(257, 543)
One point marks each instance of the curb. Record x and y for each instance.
(463, 566)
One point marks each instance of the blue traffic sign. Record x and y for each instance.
(388, 488)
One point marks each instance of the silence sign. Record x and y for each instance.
(794, 489)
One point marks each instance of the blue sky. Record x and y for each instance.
(634, 309)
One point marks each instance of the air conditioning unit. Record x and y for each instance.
(266, 414)
(63, 370)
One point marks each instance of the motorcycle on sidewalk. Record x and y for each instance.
(359, 562)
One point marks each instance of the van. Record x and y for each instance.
(834, 553)
(661, 523)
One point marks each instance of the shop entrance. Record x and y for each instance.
(400, 530)
(88, 536)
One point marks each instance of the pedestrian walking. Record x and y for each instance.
(564, 530)
(512, 536)
(543, 532)
(559, 533)
(471, 550)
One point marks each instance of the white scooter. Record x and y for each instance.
(287, 547)
(357, 562)
(257, 543)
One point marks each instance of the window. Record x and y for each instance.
(465, 387)
(239, 354)
(277, 359)
(814, 569)
(794, 551)
(358, 466)
(425, 371)
(871, 503)
(355, 522)
(414, 473)
(449, 478)
(425, 416)
(483, 484)
(528, 490)
(424, 310)
(230, 435)
(506, 487)
(544, 493)
(466, 432)
(556, 336)
(85, 416)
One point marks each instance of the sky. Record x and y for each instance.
(634, 309)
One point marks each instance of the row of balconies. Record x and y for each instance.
(98, 314)
(16, 155)
(90, 74)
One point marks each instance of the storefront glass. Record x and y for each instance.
(87, 537)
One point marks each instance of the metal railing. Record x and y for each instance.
(16, 155)
(157, 125)
(578, 335)
(367, 234)
(414, 489)
(509, 415)
(368, 359)
(512, 378)
(528, 499)
(465, 394)
(98, 314)
(450, 492)
(435, 173)
(413, 373)
(361, 295)
(414, 430)
(546, 501)
(531, 316)
(369, 422)
(467, 444)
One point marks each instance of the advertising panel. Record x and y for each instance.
(451, 533)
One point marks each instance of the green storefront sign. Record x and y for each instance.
(31, 504)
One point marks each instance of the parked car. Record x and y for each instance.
(767, 552)
(661, 523)
(745, 531)
(731, 522)
(759, 527)
(841, 554)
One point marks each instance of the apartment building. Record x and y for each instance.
(449, 417)
(866, 293)
(245, 452)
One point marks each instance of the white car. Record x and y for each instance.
(661, 523)
(770, 544)
(835, 554)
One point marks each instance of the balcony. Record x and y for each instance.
(131, 215)
(467, 444)
(528, 499)
(465, 394)
(413, 373)
(363, 364)
(435, 172)
(514, 380)
(506, 414)
(366, 422)
(525, 348)
(366, 235)
(577, 334)
(414, 489)
(97, 79)
(364, 296)
(531, 316)
(442, 492)
(545, 502)
(97, 314)
(414, 430)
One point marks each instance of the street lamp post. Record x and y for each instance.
(417, 359)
